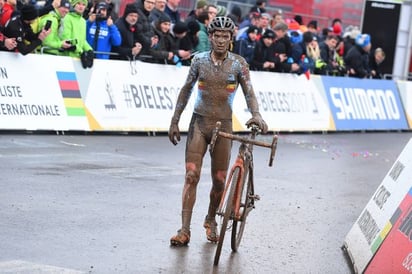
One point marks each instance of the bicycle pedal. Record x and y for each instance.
(256, 197)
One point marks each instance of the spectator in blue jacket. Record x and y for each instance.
(245, 47)
(101, 33)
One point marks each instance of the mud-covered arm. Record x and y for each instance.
(186, 91)
(247, 88)
(250, 97)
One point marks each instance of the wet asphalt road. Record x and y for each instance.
(109, 204)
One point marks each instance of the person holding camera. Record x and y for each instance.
(74, 31)
(102, 33)
(18, 27)
(53, 43)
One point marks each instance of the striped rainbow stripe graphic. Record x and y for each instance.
(71, 93)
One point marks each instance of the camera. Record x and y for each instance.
(100, 16)
(72, 42)
(47, 25)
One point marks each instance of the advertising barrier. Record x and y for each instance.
(45, 92)
(40, 93)
(289, 102)
(381, 215)
(364, 104)
(395, 253)
(405, 90)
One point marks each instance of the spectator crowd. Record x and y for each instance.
(155, 31)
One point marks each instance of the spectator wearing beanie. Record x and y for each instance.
(132, 40)
(74, 29)
(54, 43)
(183, 42)
(264, 55)
(357, 58)
(166, 48)
(245, 47)
(18, 27)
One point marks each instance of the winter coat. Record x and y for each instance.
(165, 45)
(204, 44)
(53, 41)
(108, 36)
(245, 48)
(144, 25)
(74, 29)
(130, 36)
(5, 14)
(358, 60)
(282, 46)
(261, 55)
(27, 40)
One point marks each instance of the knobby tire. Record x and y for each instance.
(228, 212)
(246, 203)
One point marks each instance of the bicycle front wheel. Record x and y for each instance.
(227, 209)
(246, 205)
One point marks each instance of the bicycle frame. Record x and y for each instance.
(243, 160)
(238, 192)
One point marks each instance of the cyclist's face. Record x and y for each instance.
(220, 41)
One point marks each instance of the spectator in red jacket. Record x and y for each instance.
(6, 10)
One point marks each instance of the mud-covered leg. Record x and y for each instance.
(220, 163)
(195, 150)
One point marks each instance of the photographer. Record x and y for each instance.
(101, 33)
(53, 43)
(74, 30)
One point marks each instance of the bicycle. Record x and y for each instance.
(239, 196)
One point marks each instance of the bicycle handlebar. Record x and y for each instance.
(245, 140)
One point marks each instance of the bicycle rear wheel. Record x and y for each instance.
(227, 210)
(246, 205)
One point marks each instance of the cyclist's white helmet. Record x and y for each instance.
(222, 23)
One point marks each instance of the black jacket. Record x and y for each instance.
(144, 24)
(282, 46)
(261, 55)
(358, 60)
(16, 28)
(165, 45)
(130, 36)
